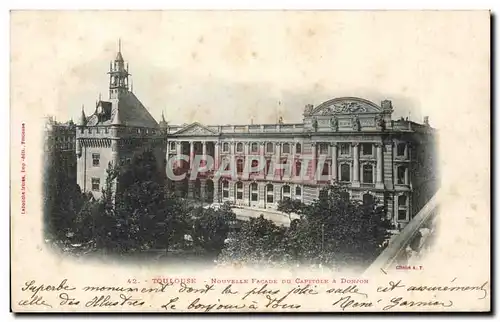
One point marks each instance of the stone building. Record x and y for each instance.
(118, 129)
(347, 140)
(59, 148)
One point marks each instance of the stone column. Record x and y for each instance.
(216, 158)
(313, 161)
(204, 149)
(292, 165)
(355, 165)
(379, 182)
(262, 159)
(191, 154)
(277, 158)
(203, 188)
(179, 152)
(216, 189)
(333, 147)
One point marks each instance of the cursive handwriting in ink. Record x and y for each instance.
(228, 290)
(401, 302)
(353, 289)
(196, 305)
(276, 303)
(186, 289)
(263, 290)
(170, 305)
(347, 302)
(34, 300)
(67, 300)
(34, 288)
(105, 300)
(392, 286)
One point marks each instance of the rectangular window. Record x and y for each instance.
(298, 148)
(225, 147)
(95, 159)
(172, 146)
(401, 149)
(269, 148)
(344, 148)
(255, 147)
(225, 193)
(367, 149)
(255, 196)
(96, 182)
(402, 215)
(367, 173)
(326, 169)
(323, 148)
(401, 175)
(345, 172)
(270, 198)
(239, 194)
(286, 148)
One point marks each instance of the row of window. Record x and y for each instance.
(345, 148)
(98, 130)
(286, 191)
(367, 170)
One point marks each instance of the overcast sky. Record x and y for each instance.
(230, 67)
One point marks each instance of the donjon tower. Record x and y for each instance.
(118, 130)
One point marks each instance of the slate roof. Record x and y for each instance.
(131, 113)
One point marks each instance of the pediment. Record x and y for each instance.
(346, 105)
(195, 129)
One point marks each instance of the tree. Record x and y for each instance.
(211, 228)
(259, 242)
(332, 231)
(290, 206)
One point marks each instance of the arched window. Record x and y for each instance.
(345, 172)
(225, 147)
(298, 192)
(239, 147)
(326, 169)
(255, 166)
(286, 148)
(298, 168)
(269, 147)
(368, 199)
(239, 166)
(254, 191)
(225, 189)
(239, 190)
(367, 173)
(254, 148)
(298, 148)
(269, 193)
(401, 175)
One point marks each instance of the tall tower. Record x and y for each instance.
(118, 75)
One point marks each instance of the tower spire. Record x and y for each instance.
(119, 45)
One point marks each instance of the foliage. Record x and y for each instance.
(259, 241)
(332, 230)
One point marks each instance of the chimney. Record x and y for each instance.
(426, 120)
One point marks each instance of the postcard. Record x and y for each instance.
(250, 161)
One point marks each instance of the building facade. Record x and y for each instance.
(59, 148)
(118, 129)
(345, 140)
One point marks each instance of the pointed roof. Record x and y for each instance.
(83, 118)
(195, 129)
(119, 56)
(116, 118)
(163, 123)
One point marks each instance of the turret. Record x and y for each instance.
(118, 75)
(116, 119)
(83, 118)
